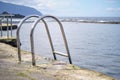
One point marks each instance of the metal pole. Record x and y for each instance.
(11, 26)
(65, 42)
(50, 40)
(18, 34)
(32, 44)
(64, 38)
(7, 29)
(32, 49)
(1, 30)
(1, 27)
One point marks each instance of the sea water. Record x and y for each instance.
(93, 46)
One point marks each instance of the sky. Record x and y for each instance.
(73, 8)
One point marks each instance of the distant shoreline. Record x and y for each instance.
(91, 22)
(101, 22)
(73, 20)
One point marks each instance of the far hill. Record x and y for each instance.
(17, 9)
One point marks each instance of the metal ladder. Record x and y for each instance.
(49, 37)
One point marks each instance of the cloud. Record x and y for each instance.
(113, 9)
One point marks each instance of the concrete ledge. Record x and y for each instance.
(46, 69)
(11, 41)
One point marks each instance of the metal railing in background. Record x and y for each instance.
(1, 26)
(7, 17)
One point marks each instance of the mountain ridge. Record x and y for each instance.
(18, 9)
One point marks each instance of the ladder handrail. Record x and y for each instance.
(18, 34)
(62, 31)
(32, 41)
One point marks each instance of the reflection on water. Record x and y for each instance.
(93, 46)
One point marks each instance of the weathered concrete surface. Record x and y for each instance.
(46, 69)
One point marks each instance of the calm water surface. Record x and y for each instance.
(92, 46)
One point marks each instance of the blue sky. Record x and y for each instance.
(84, 8)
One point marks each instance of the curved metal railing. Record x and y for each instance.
(49, 37)
(50, 40)
(18, 34)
